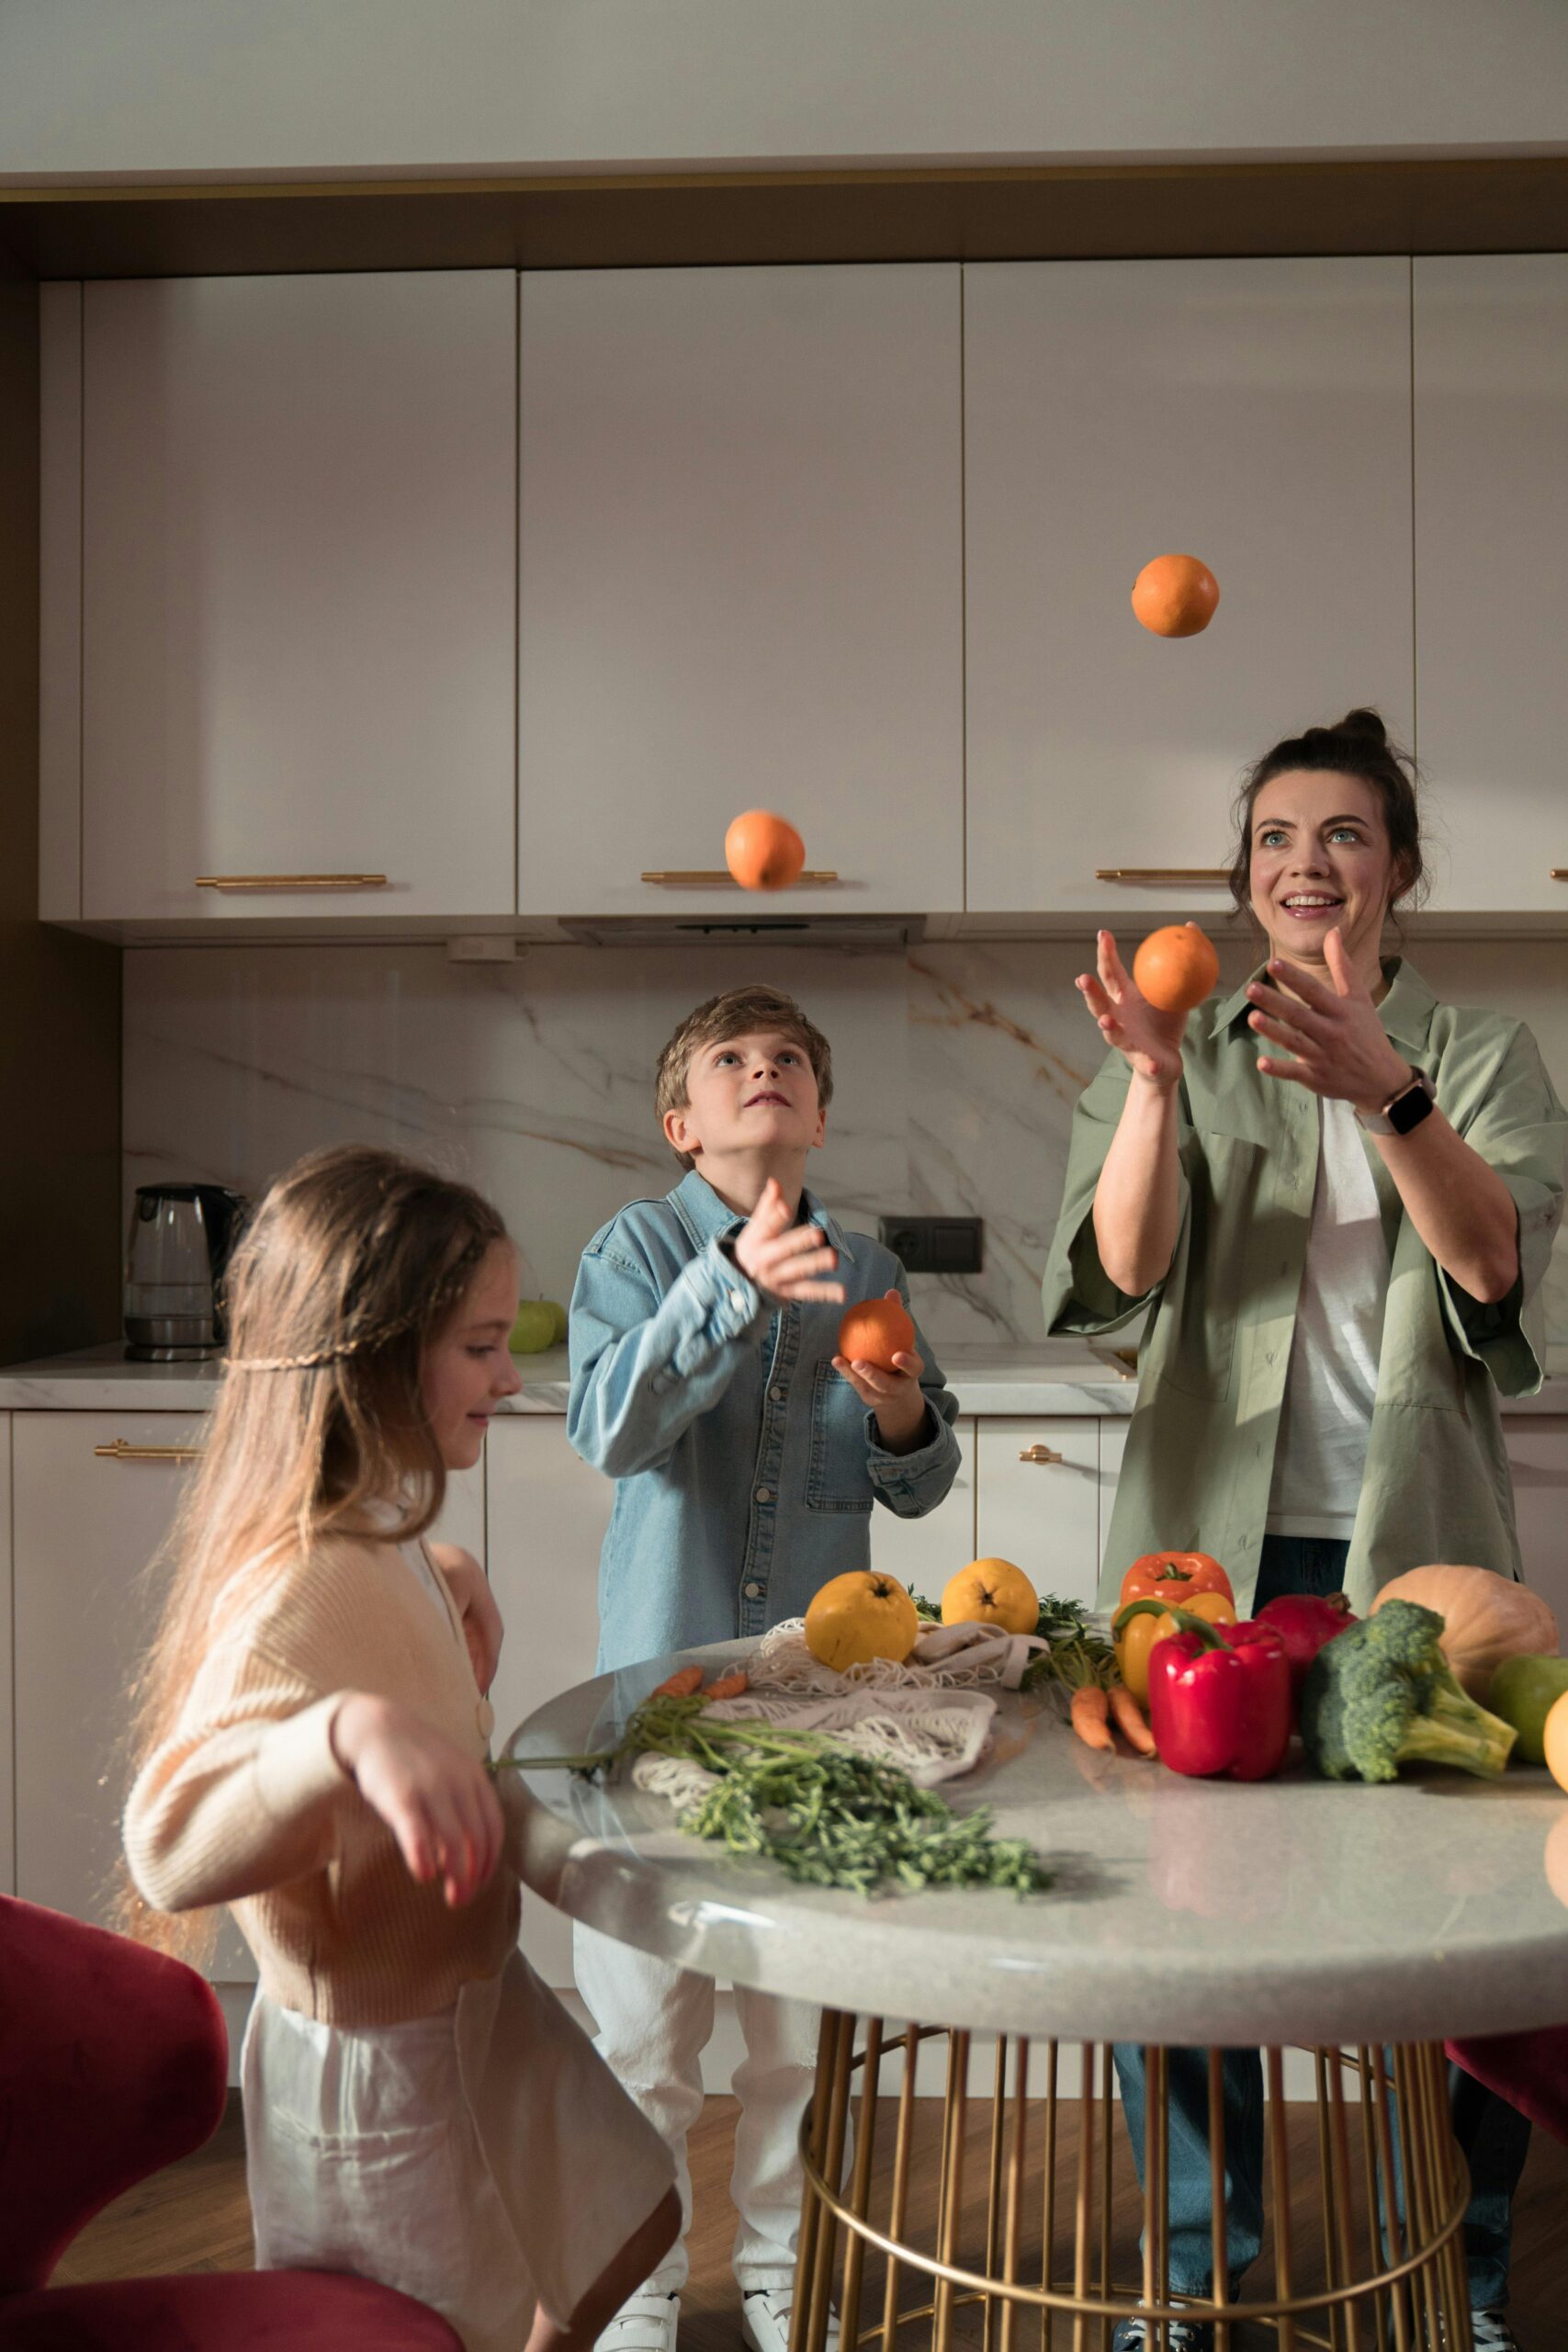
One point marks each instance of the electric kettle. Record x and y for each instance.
(181, 1236)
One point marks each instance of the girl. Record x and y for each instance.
(312, 1739)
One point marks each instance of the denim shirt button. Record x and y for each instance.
(776, 1393)
(753, 1591)
(737, 1300)
(764, 1494)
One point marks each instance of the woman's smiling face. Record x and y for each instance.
(1320, 858)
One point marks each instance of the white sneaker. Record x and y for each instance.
(1490, 2331)
(765, 2320)
(646, 2322)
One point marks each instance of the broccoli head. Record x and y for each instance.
(1381, 1695)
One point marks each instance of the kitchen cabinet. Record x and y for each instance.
(923, 1552)
(1037, 1500)
(546, 1513)
(1255, 414)
(86, 1522)
(742, 584)
(1491, 414)
(1537, 1459)
(295, 572)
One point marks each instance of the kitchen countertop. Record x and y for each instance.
(1184, 1911)
(1054, 1377)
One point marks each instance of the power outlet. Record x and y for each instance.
(934, 1244)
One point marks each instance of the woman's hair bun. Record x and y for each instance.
(1364, 723)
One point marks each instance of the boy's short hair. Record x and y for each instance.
(737, 1014)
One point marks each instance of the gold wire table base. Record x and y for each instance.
(1023, 2243)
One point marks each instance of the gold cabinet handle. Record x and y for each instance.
(1560, 873)
(1040, 1454)
(123, 1451)
(719, 877)
(291, 882)
(1162, 873)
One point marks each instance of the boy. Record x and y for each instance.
(746, 1455)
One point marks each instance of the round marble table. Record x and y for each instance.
(1293, 1912)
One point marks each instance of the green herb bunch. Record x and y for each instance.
(823, 1815)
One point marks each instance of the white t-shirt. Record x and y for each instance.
(1331, 1381)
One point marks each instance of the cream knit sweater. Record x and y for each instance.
(246, 1805)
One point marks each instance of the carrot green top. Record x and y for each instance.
(1213, 1364)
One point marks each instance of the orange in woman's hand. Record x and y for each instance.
(1175, 967)
(875, 1332)
(1175, 595)
(763, 851)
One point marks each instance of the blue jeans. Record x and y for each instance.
(1492, 2136)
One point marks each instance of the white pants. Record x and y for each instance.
(654, 2022)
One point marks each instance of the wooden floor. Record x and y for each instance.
(193, 2217)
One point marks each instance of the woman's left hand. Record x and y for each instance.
(470, 1588)
(1341, 1049)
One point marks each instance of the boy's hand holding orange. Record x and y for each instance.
(784, 1259)
(439, 1803)
(888, 1381)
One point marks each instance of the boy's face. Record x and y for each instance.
(756, 1093)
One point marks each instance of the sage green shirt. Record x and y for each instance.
(1212, 1366)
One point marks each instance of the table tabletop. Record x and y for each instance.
(1292, 1910)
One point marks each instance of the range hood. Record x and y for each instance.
(746, 930)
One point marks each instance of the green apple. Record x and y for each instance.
(535, 1328)
(559, 1311)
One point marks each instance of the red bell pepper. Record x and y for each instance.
(1304, 1621)
(1219, 1699)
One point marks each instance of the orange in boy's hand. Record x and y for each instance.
(763, 851)
(875, 1332)
(1175, 967)
(1175, 595)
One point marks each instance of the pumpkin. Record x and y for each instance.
(875, 1330)
(763, 851)
(860, 1616)
(991, 1592)
(1175, 967)
(1175, 595)
(1487, 1618)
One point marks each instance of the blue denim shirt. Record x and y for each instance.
(745, 1466)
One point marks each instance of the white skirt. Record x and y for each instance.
(482, 2160)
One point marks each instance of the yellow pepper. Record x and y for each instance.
(1137, 1636)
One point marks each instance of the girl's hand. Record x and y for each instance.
(439, 1804)
(1150, 1040)
(476, 1605)
(784, 1259)
(1341, 1049)
(896, 1398)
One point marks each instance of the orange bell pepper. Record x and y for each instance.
(1174, 1577)
(1138, 1629)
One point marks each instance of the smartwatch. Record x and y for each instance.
(1403, 1110)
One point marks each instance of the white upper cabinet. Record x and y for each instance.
(1491, 359)
(1253, 414)
(297, 594)
(742, 584)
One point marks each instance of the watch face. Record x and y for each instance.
(1408, 1110)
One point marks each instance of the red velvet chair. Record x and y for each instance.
(113, 2063)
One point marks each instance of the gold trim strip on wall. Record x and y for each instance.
(718, 877)
(1162, 873)
(123, 1451)
(291, 882)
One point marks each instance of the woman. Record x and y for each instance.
(1339, 1197)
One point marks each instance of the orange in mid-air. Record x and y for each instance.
(763, 851)
(1175, 967)
(1175, 595)
(875, 1332)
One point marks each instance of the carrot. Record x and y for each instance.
(729, 1686)
(1128, 1717)
(680, 1684)
(1088, 1715)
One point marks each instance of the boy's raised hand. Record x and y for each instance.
(896, 1398)
(439, 1804)
(784, 1259)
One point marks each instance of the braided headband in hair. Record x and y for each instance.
(451, 1285)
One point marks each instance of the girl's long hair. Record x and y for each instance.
(354, 1262)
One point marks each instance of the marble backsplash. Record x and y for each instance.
(956, 1065)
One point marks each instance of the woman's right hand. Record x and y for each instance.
(1151, 1040)
(439, 1803)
